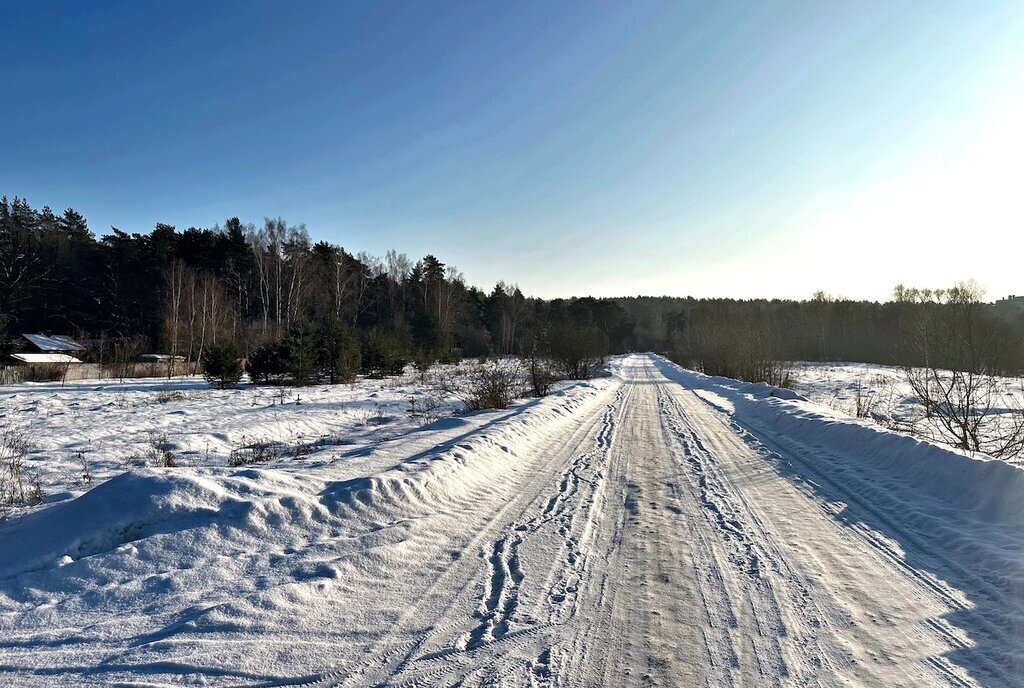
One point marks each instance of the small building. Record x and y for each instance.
(160, 358)
(45, 358)
(52, 344)
(39, 366)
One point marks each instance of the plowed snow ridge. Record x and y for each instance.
(654, 527)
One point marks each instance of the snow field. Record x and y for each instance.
(883, 395)
(86, 431)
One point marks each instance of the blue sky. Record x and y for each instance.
(735, 149)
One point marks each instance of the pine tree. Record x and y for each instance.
(302, 346)
(221, 365)
(383, 354)
(340, 357)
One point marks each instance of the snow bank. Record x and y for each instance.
(126, 508)
(992, 489)
(144, 503)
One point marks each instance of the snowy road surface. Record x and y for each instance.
(655, 527)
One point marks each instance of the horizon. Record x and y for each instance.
(763, 152)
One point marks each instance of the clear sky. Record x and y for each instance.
(705, 148)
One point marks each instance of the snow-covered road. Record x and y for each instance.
(656, 527)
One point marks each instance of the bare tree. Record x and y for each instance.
(367, 267)
(296, 251)
(259, 243)
(397, 267)
(445, 295)
(176, 279)
(342, 276)
(277, 233)
(197, 311)
(511, 305)
(960, 349)
(731, 341)
(125, 352)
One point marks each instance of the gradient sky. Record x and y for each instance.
(704, 148)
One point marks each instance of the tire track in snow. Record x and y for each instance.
(753, 624)
(941, 632)
(782, 450)
(764, 568)
(500, 600)
(447, 641)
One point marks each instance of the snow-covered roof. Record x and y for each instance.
(54, 342)
(45, 358)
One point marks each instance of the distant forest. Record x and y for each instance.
(179, 292)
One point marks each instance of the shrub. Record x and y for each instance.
(383, 354)
(957, 385)
(45, 372)
(423, 360)
(35, 490)
(14, 447)
(221, 365)
(426, 408)
(159, 452)
(165, 396)
(492, 385)
(577, 350)
(257, 452)
(542, 375)
(268, 363)
(86, 472)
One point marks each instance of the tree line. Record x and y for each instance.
(284, 300)
(280, 299)
(747, 338)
